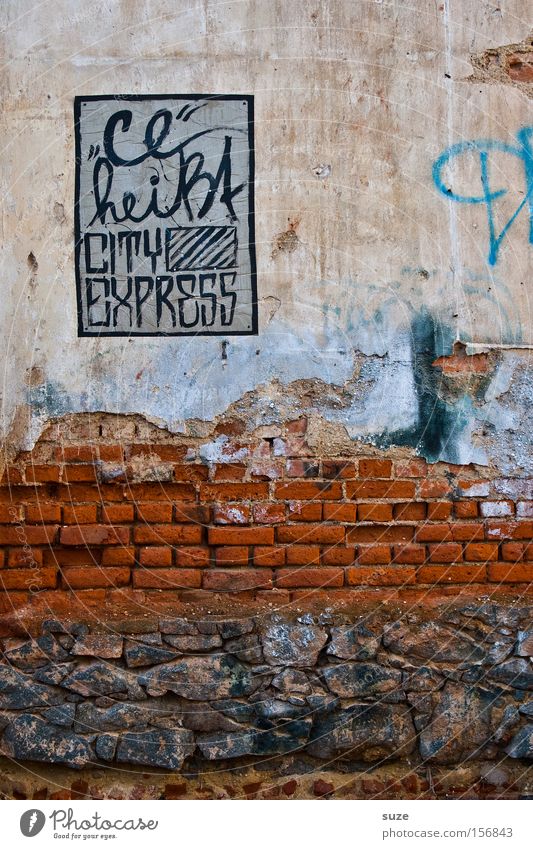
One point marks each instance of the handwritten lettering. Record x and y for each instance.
(483, 150)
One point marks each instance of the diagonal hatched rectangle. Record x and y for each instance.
(200, 248)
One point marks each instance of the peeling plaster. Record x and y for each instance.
(366, 275)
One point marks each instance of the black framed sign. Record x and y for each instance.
(164, 215)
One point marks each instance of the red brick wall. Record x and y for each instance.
(271, 516)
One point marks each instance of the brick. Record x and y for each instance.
(11, 513)
(80, 514)
(339, 512)
(42, 474)
(463, 364)
(322, 788)
(337, 555)
(166, 579)
(162, 452)
(446, 552)
(380, 489)
(374, 512)
(520, 68)
(481, 551)
(410, 469)
(20, 557)
(492, 509)
(466, 509)
(110, 453)
(155, 555)
(524, 509)
(372, 468)
(380, 576)
(231, 514)
(11, 476)
(42, 513)
(234, 492)
(220, 580)
(339, 469)
(513, 551)
(410, 511)
(241, 536)
(16, 494)
(307, 491)
(119, 556)
(117, 513)
(154, 511)
(195, 557)
(308, 511)
(75, 453)
(474, 489)
(172, 534)
(191, 473)
(307, 533)
(292, 446)
(375, 533)
(320, 577)
(269, 556)
(439, 510)
(297, 426)
(65, 556)
(452, 574)
(94, 535)
(89, 453)
(269, 514)
(434, 488)
(229, 472)
(199, 513)
(236, 555)
(510, 573)
(79, 474)
(267, 469)
(29, 579)
(466, 531)
(410, 554)
(78, 493)
(87, 577)
(500, 530)
(302, 468)
(433, 533)
(231, 427)
(27, 534)
(303, 555)
(374, 554)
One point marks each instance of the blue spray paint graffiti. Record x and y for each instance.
(488, 196)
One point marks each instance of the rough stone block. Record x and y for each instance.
(30, 738)
(203, 678)
(161, 748)
(98, 645)
(290, 644)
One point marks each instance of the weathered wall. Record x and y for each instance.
(367, 272)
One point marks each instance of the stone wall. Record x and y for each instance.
(336, 690)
